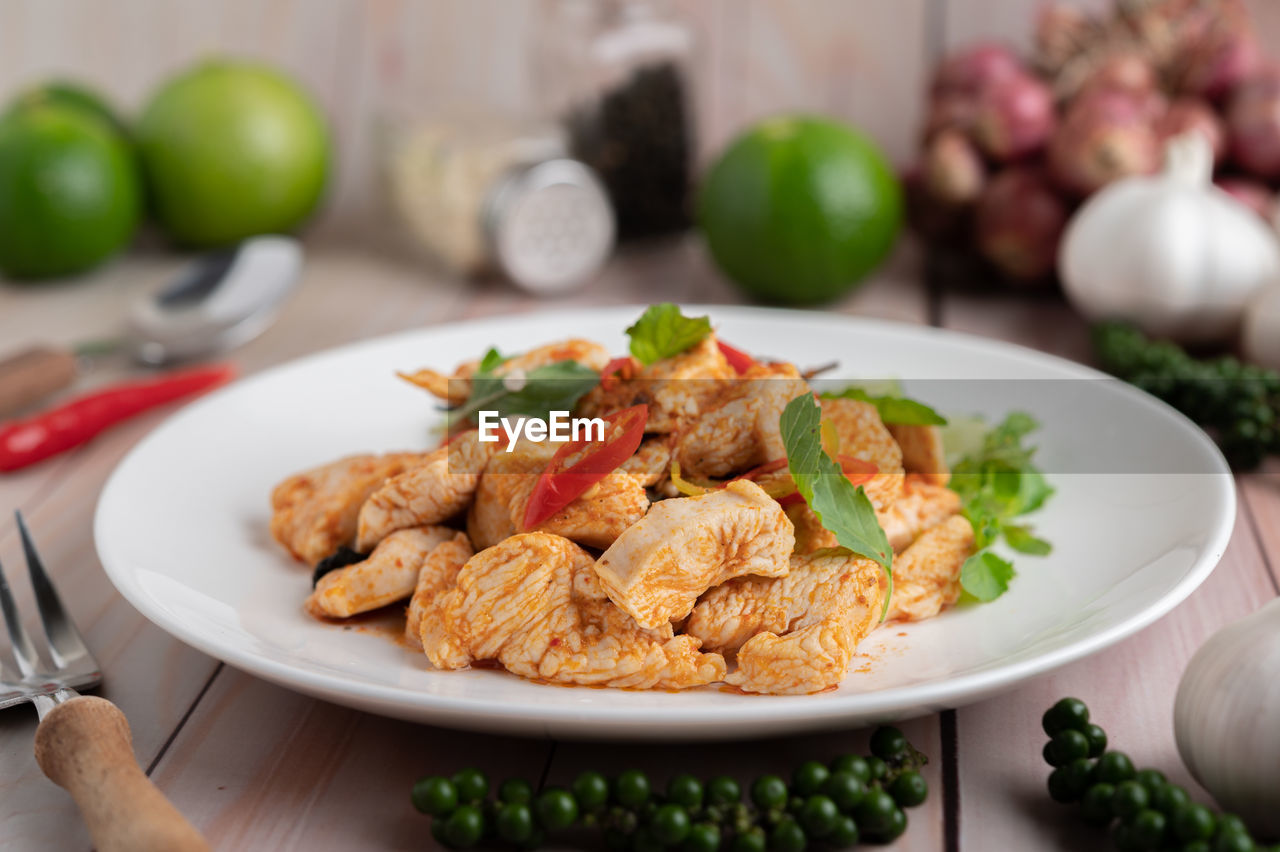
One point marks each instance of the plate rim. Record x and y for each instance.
(762, 713)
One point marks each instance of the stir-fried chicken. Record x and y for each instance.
(455, 388)
(922, 452)
(387, 575)
(926, 576)
(314, 512)
(741, 430)
(438, 574)
(533, 604)
(793, 634)
(921, 506)
(676, 389)
(651, 462)
(656, 570)
(864, 436)
(434, 491)
(594, 519)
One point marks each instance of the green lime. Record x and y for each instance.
(69, 194)
(798, 210)
(230, 150)
(69, 93)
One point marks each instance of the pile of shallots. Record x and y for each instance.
(1013, 144)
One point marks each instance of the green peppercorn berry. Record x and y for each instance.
(819, 815)
(685, 790)
(1193, 822)
(844, 835)
(753, 840)
(1152, 779)
(1068, 783)
(435, 796)
(888, 743)
(845, 790)
(878, 768)
(787, 836)
(854, 765)
(1113, 767)
(671, 824)
(769, 792)
(1096, 803)
(723, 790)
(1130, 798)
(1230, 823)
(809, 778)
(591, 789)
(1148, 829)
(1069, 713)
(895, 829)
(874, 814)
(1065, 747)
(623, 819)
(556, 809)
(1232, 841)
(464, 827)
(909, 789)
(514, 822)
(515, 791)
(1170, 799)
(1097, 739)
(472, 784)
(631, 788)
(703, 837)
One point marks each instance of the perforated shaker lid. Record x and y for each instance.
(549, 225)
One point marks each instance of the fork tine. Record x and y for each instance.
(65, 643)
(24, 653)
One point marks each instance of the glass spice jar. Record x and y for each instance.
(617, 72)
(485, 194)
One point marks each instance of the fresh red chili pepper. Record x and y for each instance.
(856, 470)
(559, 486)
(619, 369)
(738, 360)
(25, 442)
(767, 467)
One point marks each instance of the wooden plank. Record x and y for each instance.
(1261, 491)
(748, 760)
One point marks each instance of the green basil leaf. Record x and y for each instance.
(552, 387)
(986, 576)
(893, 408)
(1021, 539)
(663, 332)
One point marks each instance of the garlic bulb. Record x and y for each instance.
(1227, 718)
(1260, 332)
(1170, 252)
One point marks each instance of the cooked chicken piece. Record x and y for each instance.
(742, 430)
(533, 603)
(864, 436)
(656, 570)
(793, 634)
(676, 389)
(922, 452)
(926, 576)
(438, 488)
(387, 575)
(595, 518)
(438, 574)
(651, 463)
(921, 506)
(456, 388)
(314, 513)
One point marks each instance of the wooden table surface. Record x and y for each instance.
(255, 766)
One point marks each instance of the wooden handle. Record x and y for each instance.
(84, 745)
(33, 374)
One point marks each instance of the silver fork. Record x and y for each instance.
(83, 742)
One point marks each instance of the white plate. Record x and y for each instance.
(182, 529)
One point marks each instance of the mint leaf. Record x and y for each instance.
(893, 408)
(843, 508)
(662, 332)
(986, 576)
(1021, 539)
(552, 387)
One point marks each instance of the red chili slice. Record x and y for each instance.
(858, 471)
(559, 486)
(738, 360)
(619, 369)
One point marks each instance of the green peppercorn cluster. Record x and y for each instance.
(1239, 404)
(852, 799)
(1141, 809)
